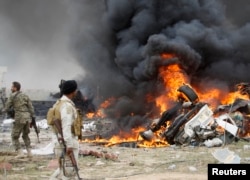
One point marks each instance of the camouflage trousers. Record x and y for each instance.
(17, 130)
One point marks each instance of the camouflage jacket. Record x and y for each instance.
(22, 105)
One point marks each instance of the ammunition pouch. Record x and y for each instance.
(76, 128)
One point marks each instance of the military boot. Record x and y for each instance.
(20, 154)
(29, 154)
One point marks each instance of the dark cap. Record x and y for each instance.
(69, 86)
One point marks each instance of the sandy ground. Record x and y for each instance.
(170, 163)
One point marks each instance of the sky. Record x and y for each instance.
(42, 42)
(37, 37)
(35, 43)
(113, 47)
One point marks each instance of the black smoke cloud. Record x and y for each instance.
(117, 44)
(123, 57)
(196, 30)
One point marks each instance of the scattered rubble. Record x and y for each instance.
(127, 162)
(199, 130)
(194, 122)
(226, 156)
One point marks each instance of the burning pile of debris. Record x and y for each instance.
(192, 122)
(187, 121)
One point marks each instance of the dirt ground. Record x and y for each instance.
(170, 163)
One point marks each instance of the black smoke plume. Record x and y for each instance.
(212, 49)
(117, 43)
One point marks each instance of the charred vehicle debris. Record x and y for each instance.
(187, 122)
(190, 121)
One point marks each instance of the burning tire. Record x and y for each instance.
(188, 93)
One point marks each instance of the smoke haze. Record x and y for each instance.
(112, 47)
(34, 43)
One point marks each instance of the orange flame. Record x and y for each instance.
(173, 77)
(230, 97)
(100, 112)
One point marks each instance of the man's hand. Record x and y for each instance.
(31, 123)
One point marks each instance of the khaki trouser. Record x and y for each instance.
(66, 170)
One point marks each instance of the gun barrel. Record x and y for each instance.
(73, 160)
(58, 126)
(33, 122)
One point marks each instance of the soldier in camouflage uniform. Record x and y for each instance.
(24, 111)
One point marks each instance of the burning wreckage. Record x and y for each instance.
(190, 121)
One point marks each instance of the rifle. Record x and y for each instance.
(33, 124)
(58, 127)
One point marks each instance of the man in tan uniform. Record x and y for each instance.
(68, 115)
(24, 111)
